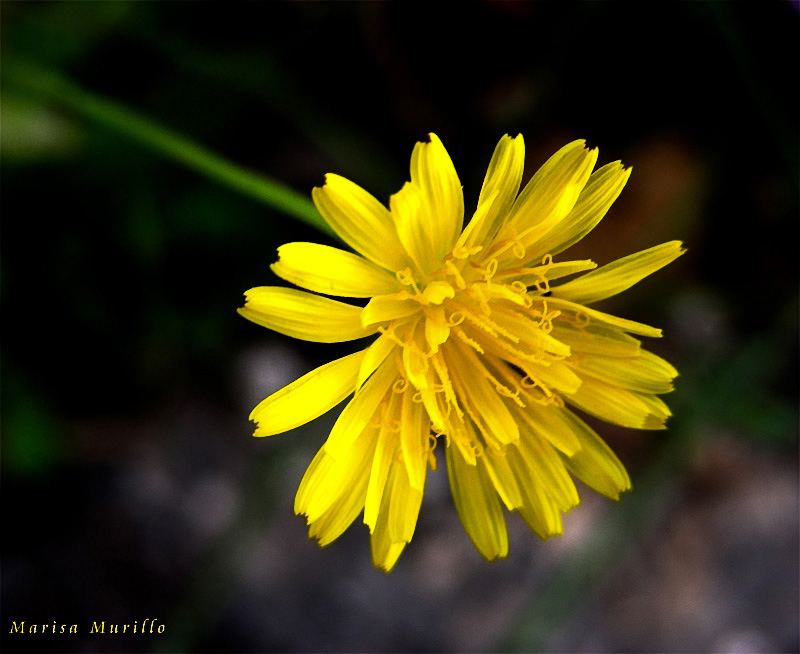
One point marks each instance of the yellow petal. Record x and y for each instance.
(437, 330)
(646, 373)
(375, 355)
(500, 188)
(359, 411)
(384, 455)
(361, 221)
(526, 329)
(600, 192)
(605, 319)
(385, 308)
(479, 396)
(546, 421)
(615, 405)
(315, 475)
(548, 469)
(409, 213)
(538, 509)
(659, 411)
(404, 505)
(385, 551)
(618, 275)
(332, 271)
(535, 276)
(442, 211)
(557, 376)
(437, 292)
(340, 514)
(478, 505)
(329, 481)
(594, 463)
(416, 366)
(303, 315)
(503, 478)
(596, 339)
(551, 194)
(414, 432)
(308, 397)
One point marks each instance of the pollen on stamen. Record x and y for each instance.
(473, 344)
(504, 391)
(483, 323)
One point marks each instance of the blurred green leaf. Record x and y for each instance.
(33, 133)
(31, 445)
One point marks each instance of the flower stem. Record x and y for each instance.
(50, 86)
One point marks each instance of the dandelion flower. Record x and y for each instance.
(478, 350)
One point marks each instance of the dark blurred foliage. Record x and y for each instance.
(131, 486)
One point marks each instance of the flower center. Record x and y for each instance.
(477, 330)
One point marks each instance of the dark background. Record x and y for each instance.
(131, 486)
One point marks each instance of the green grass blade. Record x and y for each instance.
(51, 87)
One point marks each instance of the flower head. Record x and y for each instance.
(477, 352)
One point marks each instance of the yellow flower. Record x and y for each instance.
(476, 350)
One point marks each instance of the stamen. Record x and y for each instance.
(501, 388)
(479, 321)
(542, 285)
(461, 252)
(473, 344)
(513, 352)
(392, 425)
(456, 321)
(530, 383)
(515, 242)
(456, 273)
(504, 391)
(519, 287)
(389, 331)
(447, 385)
(406, 278)
(490, 270)
(432, 460)
(539, 395)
